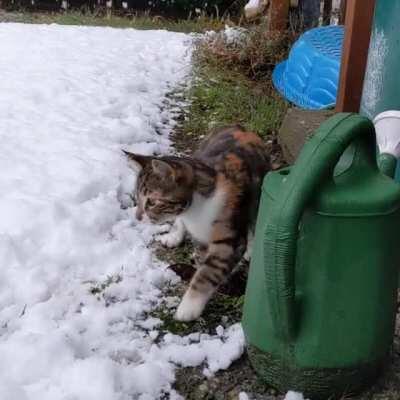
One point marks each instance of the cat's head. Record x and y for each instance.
(164, 187)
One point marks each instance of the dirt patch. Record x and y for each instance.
(225, 385)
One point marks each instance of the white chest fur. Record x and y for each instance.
(199, 217)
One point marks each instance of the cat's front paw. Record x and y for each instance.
(171, 239)
(175, 236)
(191, 306)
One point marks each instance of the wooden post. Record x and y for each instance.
(342, 12)
(359, 16)
(278, 15)
(326, 16)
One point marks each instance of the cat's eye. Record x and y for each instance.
(171, 202)
(150, 202)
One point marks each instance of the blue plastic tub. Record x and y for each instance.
(309, 77)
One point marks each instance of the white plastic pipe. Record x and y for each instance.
(387, 127)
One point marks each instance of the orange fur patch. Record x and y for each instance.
(245, 138)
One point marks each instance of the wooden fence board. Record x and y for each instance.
(359, 15)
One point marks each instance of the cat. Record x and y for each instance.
(213, 196)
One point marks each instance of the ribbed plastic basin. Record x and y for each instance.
(309, 77)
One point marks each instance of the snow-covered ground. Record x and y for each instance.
(70, 99)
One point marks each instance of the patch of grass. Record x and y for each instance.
(180, 254)
(232, 85)
(105, 18)
(232, 82)
(221, 310)
(222, 97)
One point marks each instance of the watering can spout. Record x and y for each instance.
(387, 127)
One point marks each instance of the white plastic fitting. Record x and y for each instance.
(387, 128)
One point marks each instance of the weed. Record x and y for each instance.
(253, 51)
(220, 98)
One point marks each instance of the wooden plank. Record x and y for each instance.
(359, 16)
(327, 12)
(278, 15)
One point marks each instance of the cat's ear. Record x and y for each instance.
(137, 160)
(162, 168)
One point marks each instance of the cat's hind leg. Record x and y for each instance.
(175, 236)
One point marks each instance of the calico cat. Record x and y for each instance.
(213, 197)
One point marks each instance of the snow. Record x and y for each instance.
(243, 396)
(294, 396)
(232, 37)
(77, 279)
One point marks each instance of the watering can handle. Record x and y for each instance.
(314, 165)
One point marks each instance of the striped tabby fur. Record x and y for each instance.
(213, 197)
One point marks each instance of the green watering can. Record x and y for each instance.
(320, 302)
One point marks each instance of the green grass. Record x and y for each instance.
(232, 82)
(221, 97)
(137, 21)
(222, 309)
(222, 305)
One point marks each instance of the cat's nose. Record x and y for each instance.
(139, 214)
